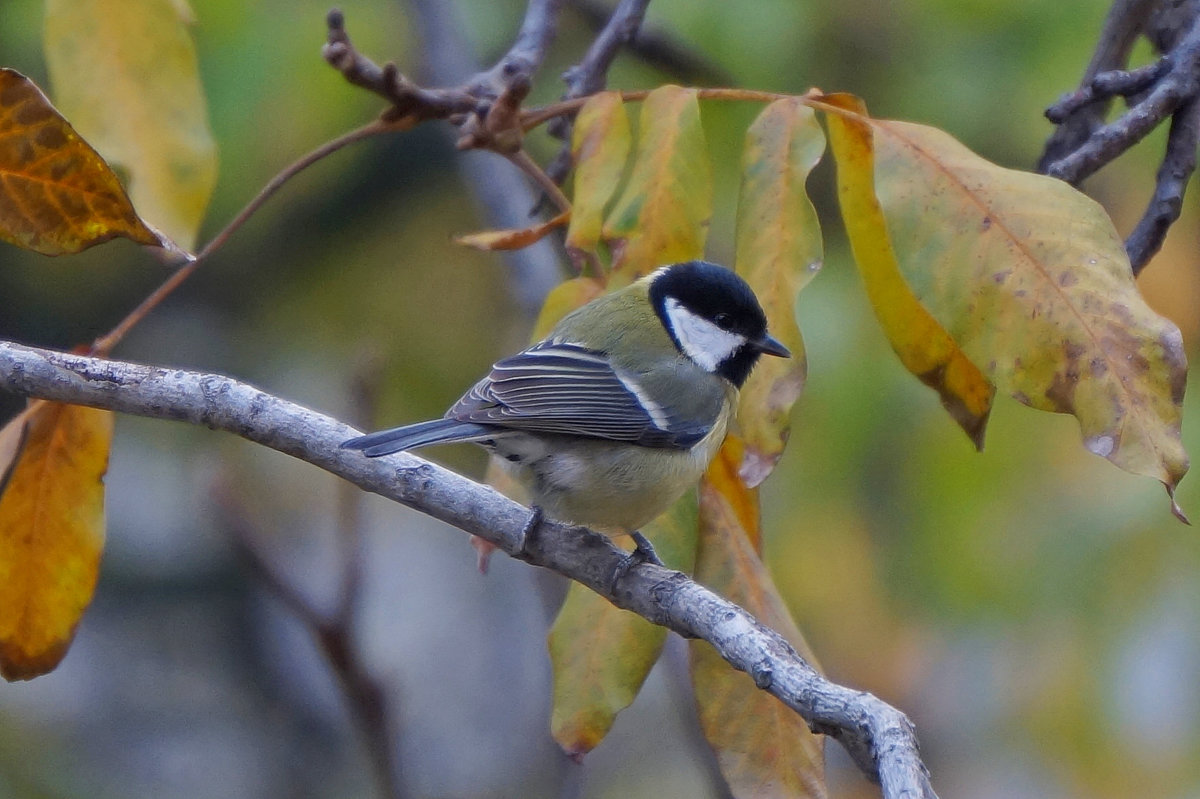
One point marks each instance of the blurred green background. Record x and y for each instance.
(1034, 610)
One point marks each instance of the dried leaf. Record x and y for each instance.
(51, 533)
(763, 748)
(600, 146)
(778, 251)
(512, 239)
(125, 74)
(57, 195)
(923, 345)
(1030, 278)
(663, 213)
(600, 654)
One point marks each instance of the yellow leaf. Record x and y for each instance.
(600, 147)
(600, 654)
(924, 347)
(763, 748)
(1030, 278)
(778, 251)
(57, 195)
(562, 299)
(125, 73)
(51, 533)
(512, 239)
(663, 213)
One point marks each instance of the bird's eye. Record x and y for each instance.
(723, 320)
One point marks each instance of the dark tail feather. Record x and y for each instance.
(398, 439)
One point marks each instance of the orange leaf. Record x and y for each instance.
(763, 748)
(923, 345)
(600, 147)
(57, 195)
(51, 533)
(512, 239)
(663, 213)
(601, 655)
(778, 251)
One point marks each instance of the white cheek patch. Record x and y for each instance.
(701, 340)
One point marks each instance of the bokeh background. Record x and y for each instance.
(1034, 610)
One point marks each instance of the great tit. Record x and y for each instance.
(614, 415)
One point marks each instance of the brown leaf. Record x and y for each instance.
(923, 345)
(512, 239)
(778, 251)
(763, 748)
(57, 195)
(126, 75)
(662, 215)
(51, 532)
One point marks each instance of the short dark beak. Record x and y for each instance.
(769, 345)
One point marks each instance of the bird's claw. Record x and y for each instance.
(643, 552)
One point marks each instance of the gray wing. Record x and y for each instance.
(565, 388)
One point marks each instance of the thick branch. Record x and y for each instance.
(879, 737)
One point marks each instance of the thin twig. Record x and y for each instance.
(544, 182)
(1121, 28)
(590, 75)
(105, 344)
(501, 194)
(879, 737)
(1177, 167)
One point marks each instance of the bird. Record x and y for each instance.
(620, 409)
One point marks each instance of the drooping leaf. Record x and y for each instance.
(51, 533)
(778, 251)
(1030, 278)
(600, 145)
(762, 747)
(125, 74)
(601, 655)
(57, 195)
(512, 239)
(923, 345)
(663, 213)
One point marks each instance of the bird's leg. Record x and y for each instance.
(536, 515)
(643, 552)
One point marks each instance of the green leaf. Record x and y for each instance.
(778, 252)
(1030, 278)
(600, 146)
(125, 74)
(923, 345)
(601, 654)
(663, 213)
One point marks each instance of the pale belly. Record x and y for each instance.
(613, 488)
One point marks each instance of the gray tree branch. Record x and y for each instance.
(1169, 88)
(879, 738)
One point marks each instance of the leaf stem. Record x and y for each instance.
(536, 116)
(105, 344)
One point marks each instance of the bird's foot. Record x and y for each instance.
(529, 529)
(643, 552)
